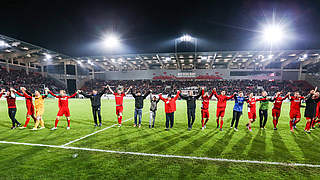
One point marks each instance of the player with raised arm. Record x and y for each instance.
(295, 114)
(312, 100)
(12, 108)
(221, 105)
(153, 109)
(63, 106)
(191, 107)
(237, 110)
(39, 106)
(205, 108)
(170, 108)
(29, 106)
(252, 112)
(138, 103)
(95, 99)
(318, 113)
(263, 109)
(119, 102)
(276, 109)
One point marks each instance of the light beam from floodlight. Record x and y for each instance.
(111, 41)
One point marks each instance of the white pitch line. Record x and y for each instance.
(168, 156)
(66, 144)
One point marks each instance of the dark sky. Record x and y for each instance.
(75, 27)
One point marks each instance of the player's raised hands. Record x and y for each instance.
(79, 91)
(22, 88)
(3, 90)
(214, 89)
(13, 90)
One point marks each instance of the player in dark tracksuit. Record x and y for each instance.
(138, 97)
(312, 100)
(191, 107)
(237, 109)
(95, 99)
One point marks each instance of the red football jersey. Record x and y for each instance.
(27, 97)
(63, 100)
(278, 102)
(295, 103)
(222, 100)
(119, 98)
(206, 100)
(252, 105)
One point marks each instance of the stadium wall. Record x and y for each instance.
(270, 74)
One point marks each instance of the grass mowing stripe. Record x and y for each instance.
(88, 135)
(167, 156)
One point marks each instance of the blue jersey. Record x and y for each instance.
(238, 103)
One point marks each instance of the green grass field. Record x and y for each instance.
(34, 162)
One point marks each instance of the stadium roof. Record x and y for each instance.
(23, 52)
(205, 60)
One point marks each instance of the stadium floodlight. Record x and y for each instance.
(111, 41)
(3, 44)
(186, 38)
(48, 56)
(305, 56)
(273, 33)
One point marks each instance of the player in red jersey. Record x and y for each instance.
(295, 114)
(221, 106)
(29, 106)
(276, 109)
(252, 110)
(205, 108)
(12, 108)
(119, 102)
(63, 106)
(318, 114)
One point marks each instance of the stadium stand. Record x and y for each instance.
(32, 81)
(159, 86)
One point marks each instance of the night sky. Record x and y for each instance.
(76, 27)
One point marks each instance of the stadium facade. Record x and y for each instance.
(73, 72)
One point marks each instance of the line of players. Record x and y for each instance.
(36, 110)
(312, 112)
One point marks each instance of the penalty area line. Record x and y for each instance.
(88, 135)
(168, 156)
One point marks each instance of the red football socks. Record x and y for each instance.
(56, 123)
(27, 122)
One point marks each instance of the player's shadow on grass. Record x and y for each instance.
(280, 150)
(217, 148)
(258, 146)
(191, 147)
(126, 139)
(171, 141)
(236, 153)
(308, 147)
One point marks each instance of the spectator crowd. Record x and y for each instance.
(32, 81)
(230, 86)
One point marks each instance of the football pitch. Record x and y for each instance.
(110, 152)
